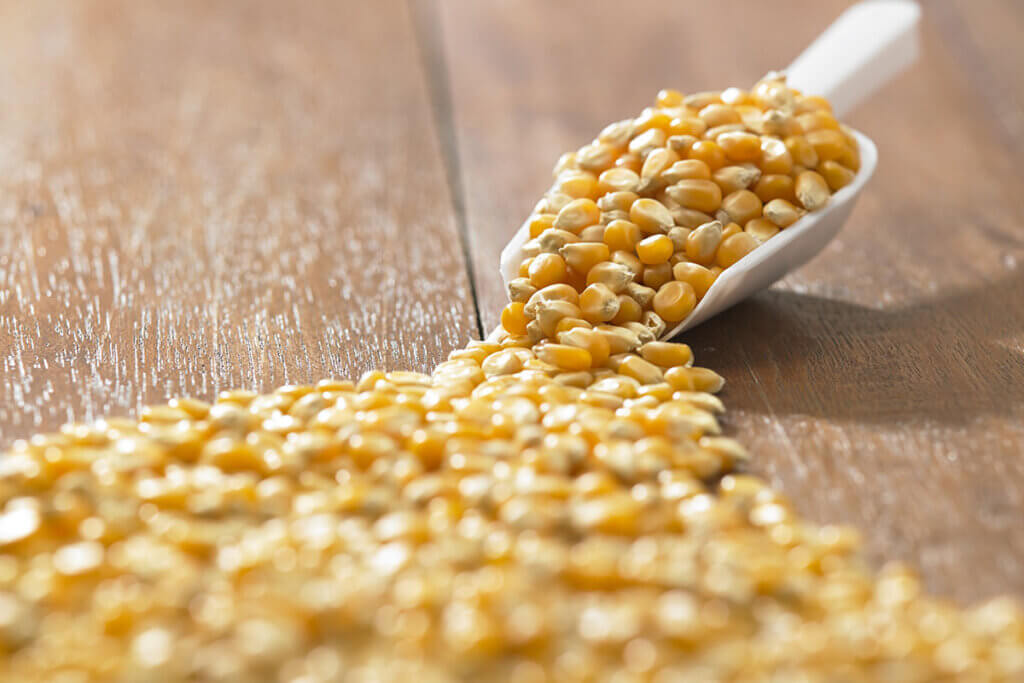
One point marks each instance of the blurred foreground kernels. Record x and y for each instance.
(556, 503)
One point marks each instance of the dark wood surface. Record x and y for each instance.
(196, 196)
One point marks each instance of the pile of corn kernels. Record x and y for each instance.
(556, 503)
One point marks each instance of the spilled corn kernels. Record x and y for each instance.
(556, 503)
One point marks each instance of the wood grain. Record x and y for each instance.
(198, 196)
(883, 384)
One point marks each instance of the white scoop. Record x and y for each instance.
(868, 45)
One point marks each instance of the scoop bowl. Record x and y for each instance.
(765, 265)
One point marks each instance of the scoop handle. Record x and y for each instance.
(867, 46)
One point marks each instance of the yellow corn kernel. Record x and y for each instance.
(850, 158)
(681, 144)
(674, 301)
(647, 141)
(687, 169)
(657, 162)
(652, 119)
(564, 357)
(669, 98)
(695, 275)
(836, 175)
(598, 303)
(595, 157)
(742, 206)
(667, 354)
(740, 146)
(577, 215)
(781, 213)
(730, 229)
(629, 311)
(618, 180)
(805, 103)
(617, 201)
(817, 120)
(732, 178)
(678, 236)
(811, 190)
(694, 379)
(514, 319)
(801, 151)
(614, 276)
(524, 268)
(828, 144)
(654, 249)
(622, 235)
(550, 313)
(629, 261)
(761, 229)
(702, 195)
(539, 223)
(702, 243)
(640, 370)
(566, 324)
(775, 186)
(547, 269)
(709, 152)
(553, 239)
(735, 247)
(631, 161)
(657, 275)
(719, 131)
(650, 216)
(591, 340)
(699, 100)
(687, 125)
(775, 157)
(556, 292)
(617, 134)
(620, 340)
(690, 218)
(582, 256)
(566, 162)
(718, 115)
(577, 185)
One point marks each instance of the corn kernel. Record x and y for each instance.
(650, 216)
(565, 357)
(622, 235)
(836, 175)
(709, 153)
(702, 195)
(674, 301)
(695, 275)
(742, 206)
(702, 243)
(667, 354)
(735, 247)
(654, 249)
(811, 190)
(514, 319)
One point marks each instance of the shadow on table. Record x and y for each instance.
(939, 360)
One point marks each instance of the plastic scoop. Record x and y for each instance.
(868, 45)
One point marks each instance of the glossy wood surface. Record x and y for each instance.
(196, 196)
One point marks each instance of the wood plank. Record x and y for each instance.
(881, 385)
(198, 196)
(985, 37)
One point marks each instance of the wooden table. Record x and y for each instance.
(196, 196)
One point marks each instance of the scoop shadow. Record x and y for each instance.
(790, 353)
